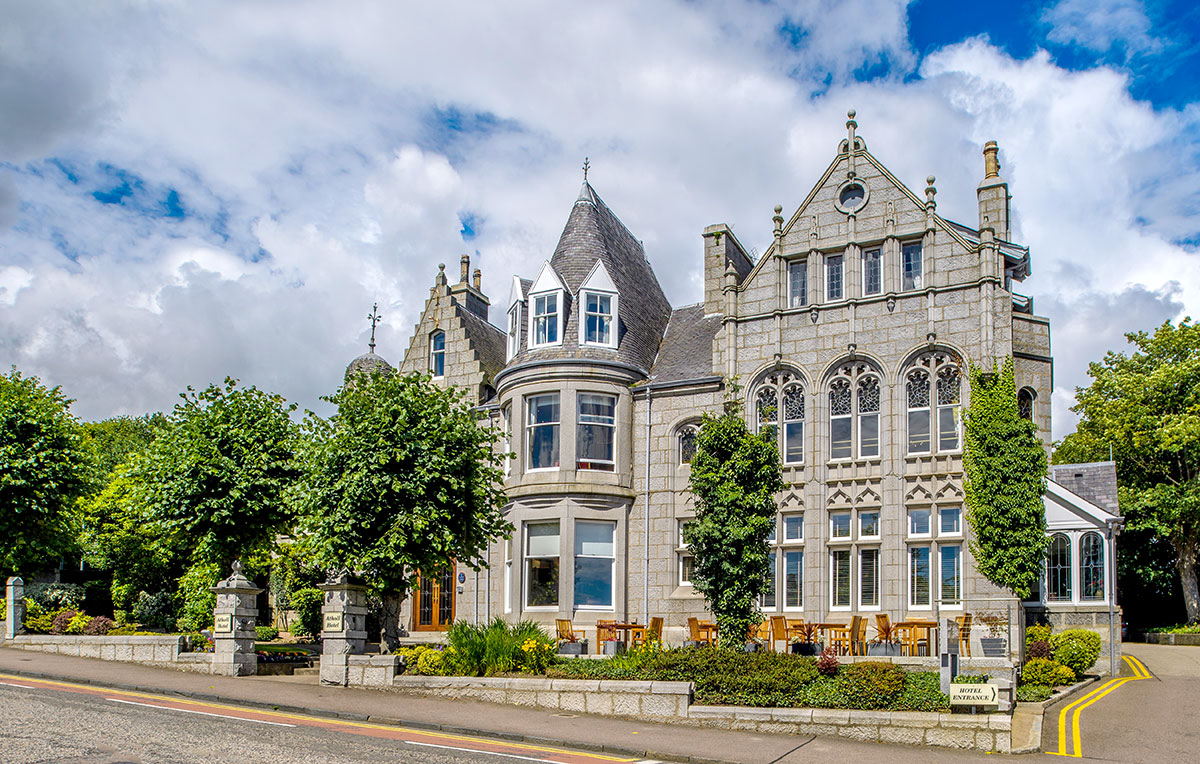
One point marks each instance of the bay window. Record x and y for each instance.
(595, 563)
(596, 431)
(1058, 569)
(541, 431)
(541, 565)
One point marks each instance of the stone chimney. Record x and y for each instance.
(993, 195)
(477, 280)
(466, 268)
(467, 291)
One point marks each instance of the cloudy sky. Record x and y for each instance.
(195, 190)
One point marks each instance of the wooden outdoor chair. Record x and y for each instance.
(565, 631)
(858, 636)
(842, 640)
(701, 636)
(605, 631)
(963, 622)
(779, 631)
(916, 637)
(640, 634)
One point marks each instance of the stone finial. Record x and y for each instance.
(778, 219)
(851, 124)
(991, 160)
(930, 192)
(373, 317)
(441, 277)
(477, 280)
(465, 267)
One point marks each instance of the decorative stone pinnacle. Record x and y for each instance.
(991, 160)
(373, 317)
(237, 567)
(586, 166)
(850, 114)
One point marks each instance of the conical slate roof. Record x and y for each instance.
(593, 232)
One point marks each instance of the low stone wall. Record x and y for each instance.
(659, 700)
(1172, 639)
(165, 650)
(982, 732)
(360, 670)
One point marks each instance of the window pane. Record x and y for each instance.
(1091, 567)
(798, 283)
(918, 522)
(839, 524)
(599, 318)
(594, 444)
(793, 527)
(541, 540)
(543, 431)
(593, 582)
(872, 273)
(868, 523)
(793, 579)
(840, 576)
(686, 561)
(911, 266)
(595, 539)
(840, 433)
(687, 445)
(868, 577)
(793, 442)
(918, 572)
(948, 428)
(833, 271)
(1058, 569)
(767, 407)
(868, 434)
(918, 432)
(951, 520)
(542, 582)
(951, 574)
(767, 601)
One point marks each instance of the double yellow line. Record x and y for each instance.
(1075, 709)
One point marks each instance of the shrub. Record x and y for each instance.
(307, 603)
(1046, 672)
(496, 648)
(431, 663)
(78, 623)
(972, 679)
(822, 692)
(37, 619)
(870, 684)
(99, 626)
(1037, 649)
(196, 597)
(266, 633)
(154, 610)
(1037, 634)
(62, 619)
(1077, 649)
(1033, 693)
(55, 596)
(827, 664)
(922, 692)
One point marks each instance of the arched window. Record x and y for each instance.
(933, 408)
(1058, 569)
(779, 408)
(687, 443)
(437, 353)
(1091, 567)
(868, 417)
(1025, 403)
(841, 426)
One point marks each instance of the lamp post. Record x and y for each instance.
(1114, 525)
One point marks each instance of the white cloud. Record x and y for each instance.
(1098, 25)
(324, 155)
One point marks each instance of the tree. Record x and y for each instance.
(217, 480)
(402, 479)
(735, 476)
(1005, 470)
(42, 469)
(1145, 406)
(112, 442)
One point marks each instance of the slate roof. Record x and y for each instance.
(1095, 481)
(593, 232)
(487, 339)
(687, 347)
(367, 363)
(1015, 255)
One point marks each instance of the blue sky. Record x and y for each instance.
(189, 192)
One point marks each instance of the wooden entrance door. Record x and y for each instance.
(434, 609)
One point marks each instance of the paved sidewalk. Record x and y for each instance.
(596, 733)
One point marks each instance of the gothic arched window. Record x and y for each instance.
(1091, 567)
(854, 403)
(779, 407)
(687, 443)
(1025, 403)
(933, 390)
(1058, 568)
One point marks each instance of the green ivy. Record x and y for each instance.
(1005, 468)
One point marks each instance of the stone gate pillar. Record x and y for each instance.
(343, 626)
(15, 601)
(234, 618)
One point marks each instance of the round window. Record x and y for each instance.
(852, 197)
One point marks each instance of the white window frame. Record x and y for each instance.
(833, 555)
(943, 603)
(860, 415)
(682, 550)
(783, 556)
(909, 576)
(831, 261)
(435, 355)
(958, 521)
(786, 424)
(1103, 567)
(912, 533)
(525, 572)
(577, 554)
(849, 526)
(534, 317)
(927, 410)
(858, 559)
(530, 425)
(586, 313)
(878, 524)
(866, 258)
(955, 410)
(919, 271)
(506, 417)
(514, 330)
(508, 563)
(796, 516)
(595, 421)
(847, 418)
(798, 297)
(774, 579)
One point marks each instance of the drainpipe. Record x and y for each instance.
(1114, 527)
(487, 586)
(646, 523)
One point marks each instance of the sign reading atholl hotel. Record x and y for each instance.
(974, 695)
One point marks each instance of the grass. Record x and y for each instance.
(1182, 628)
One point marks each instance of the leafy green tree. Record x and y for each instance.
(1005, 469)
(402, 479)
(735, 476)
(1145, 406)
(43, 466)
(112, 442)
(217, 480)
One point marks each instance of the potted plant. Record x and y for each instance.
(805, 643)
(995, 644)
(613, 646)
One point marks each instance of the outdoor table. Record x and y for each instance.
(616, 626)
(912, 627)
(709, 627)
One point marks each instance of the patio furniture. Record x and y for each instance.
(638, 635)
(565, 631)
(963, 623)
(919, 633)
(700, 633)
(887, 632)
(780, 630)
(605, 630)
(845, 640)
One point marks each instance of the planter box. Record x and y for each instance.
(884, 649)
(753, 647)
(993, 647)
(573, 648)
(805, 648)
(613, 647)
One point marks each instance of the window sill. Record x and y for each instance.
(533, 470)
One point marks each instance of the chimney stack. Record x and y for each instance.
(477, 281)
(993, 195)
(466, 268)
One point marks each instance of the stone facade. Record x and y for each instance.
(850, 336)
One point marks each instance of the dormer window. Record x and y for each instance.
(545, 319)
(598, 296)
(514, 329)
(437, 354)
